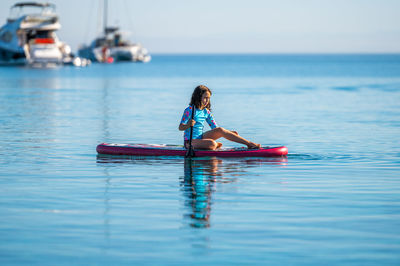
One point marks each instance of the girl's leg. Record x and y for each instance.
(204, 144)
(220, 132)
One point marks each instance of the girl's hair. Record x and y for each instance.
(197, 94)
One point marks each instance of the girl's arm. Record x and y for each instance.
(186, 122)
(183, 127)
(210, 120)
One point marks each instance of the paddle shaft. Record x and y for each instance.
(190, 151)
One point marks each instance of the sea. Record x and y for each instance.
(334, 200)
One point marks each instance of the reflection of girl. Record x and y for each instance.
(198, 189)
(201, 100)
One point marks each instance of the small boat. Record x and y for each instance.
(176, 150)
(112, 46)
(29, 37)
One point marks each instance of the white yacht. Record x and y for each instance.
(29, 37)
(113, 46)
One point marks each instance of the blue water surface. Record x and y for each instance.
(335, 200)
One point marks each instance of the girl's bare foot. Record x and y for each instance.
(253, 145)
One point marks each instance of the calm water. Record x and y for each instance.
(335, 200)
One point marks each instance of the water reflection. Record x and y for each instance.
(198, 183)
(201, 176)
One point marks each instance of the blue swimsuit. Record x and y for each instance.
(199, 116)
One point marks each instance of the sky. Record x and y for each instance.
(232, 26)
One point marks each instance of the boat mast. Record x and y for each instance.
(105, 7)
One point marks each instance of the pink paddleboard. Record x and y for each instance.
(175, 150)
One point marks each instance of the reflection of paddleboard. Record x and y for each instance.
(176, 150)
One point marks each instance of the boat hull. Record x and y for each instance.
(29, 38)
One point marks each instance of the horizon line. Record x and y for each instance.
(276, 53)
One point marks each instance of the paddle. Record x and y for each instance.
(190, 150)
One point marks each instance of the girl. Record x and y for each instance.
(201, 100)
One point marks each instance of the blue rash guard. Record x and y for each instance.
(199, 116)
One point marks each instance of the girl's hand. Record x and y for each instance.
(186, 126)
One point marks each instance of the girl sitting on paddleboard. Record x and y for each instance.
(207, 140)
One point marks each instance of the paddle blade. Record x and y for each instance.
(189, 153)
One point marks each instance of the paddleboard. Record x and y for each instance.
(176, 150)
